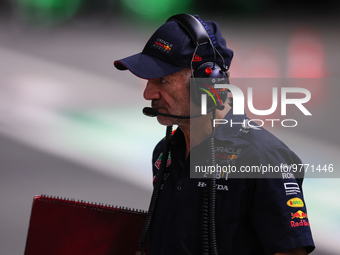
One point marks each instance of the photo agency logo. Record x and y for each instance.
(281, 98)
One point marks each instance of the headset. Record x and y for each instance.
(199, 34)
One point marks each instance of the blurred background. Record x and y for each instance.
(71, 125)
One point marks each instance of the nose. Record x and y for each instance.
(151, 91)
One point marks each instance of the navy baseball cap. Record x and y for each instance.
(171, 49)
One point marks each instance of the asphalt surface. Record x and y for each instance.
(26, 172)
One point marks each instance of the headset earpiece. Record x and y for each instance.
(199, 36)
(216, 75)
(210, 70)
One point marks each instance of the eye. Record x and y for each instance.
(162, 80)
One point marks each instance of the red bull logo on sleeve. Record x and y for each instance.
(295, 202)
(303, 219)
(299, 215)
(300, 223)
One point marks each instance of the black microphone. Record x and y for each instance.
(152, 112)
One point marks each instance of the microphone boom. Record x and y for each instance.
(152, 112)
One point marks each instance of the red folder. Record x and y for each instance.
(64, 226)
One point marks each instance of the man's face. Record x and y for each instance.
(171, 95)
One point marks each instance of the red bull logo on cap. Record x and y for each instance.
(232, 156)
(162, 45)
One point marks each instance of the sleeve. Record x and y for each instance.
(277, 207)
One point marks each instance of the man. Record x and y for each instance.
(252, 215)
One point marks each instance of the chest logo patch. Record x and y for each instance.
(159, 160)
(218, 186)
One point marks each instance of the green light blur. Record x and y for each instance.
(47, 12)
(155, 9)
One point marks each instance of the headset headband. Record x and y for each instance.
(194, 28)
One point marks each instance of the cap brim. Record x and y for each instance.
(146, 66)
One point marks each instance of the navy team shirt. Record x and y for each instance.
(253, 215)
